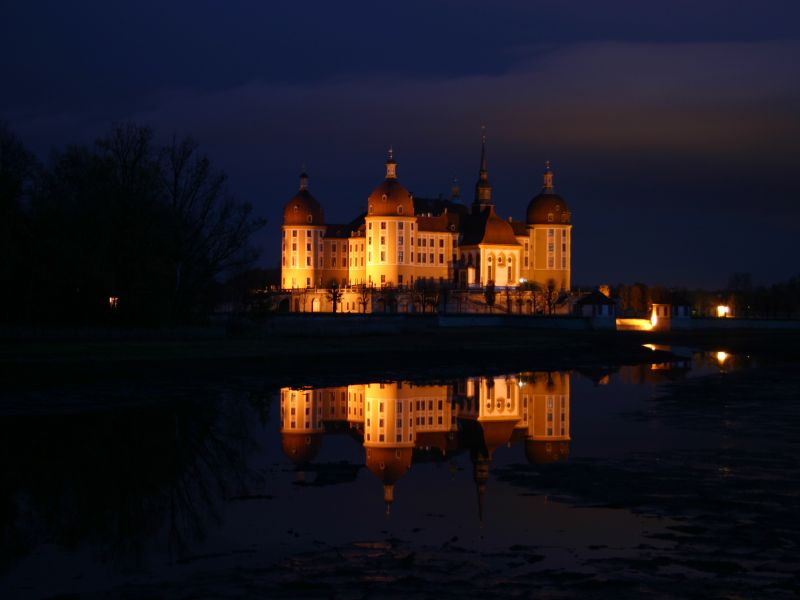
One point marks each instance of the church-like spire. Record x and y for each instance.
(483, 189)
(391, 165)
(548, 177)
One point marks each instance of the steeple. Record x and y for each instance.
(548, 178)
(483, 189)
(391, 165)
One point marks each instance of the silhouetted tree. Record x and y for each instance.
(18, 169)
(334, 295)
(490, 295)
(211, 229)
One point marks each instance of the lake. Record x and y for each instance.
(665, 478)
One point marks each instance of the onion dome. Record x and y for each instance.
(389, 465)
(301, 448)
(303, 208)
(540, 452)
(547, 206)
(390, 198)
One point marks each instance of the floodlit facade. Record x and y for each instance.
(399, 423)
(400, 241)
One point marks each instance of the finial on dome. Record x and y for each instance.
(548, 176)
(388, 497)
(391, 165)
(303, 177)
(455, 190)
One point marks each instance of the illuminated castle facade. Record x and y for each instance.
(399, 423)
(400, 241)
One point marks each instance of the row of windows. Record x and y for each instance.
(400, 225)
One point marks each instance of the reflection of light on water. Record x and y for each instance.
(722, 357)
(650, 346)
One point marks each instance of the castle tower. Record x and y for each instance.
(549, 222)
(389, 433)
(301, 424)
(390, 228)
(546, 408)
(301, 244)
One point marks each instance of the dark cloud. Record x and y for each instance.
(673, 131)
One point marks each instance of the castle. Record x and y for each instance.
(400, 423)
(400, 242)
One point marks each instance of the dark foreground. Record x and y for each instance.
(689, 491)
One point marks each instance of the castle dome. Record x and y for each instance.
(547, 207)
(301, 448)
(390, 198)
(303, 208)
(389, 464)
(540, 452)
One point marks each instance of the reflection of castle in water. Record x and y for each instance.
(400, 423)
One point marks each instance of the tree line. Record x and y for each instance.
(124, 229)
(776, 301)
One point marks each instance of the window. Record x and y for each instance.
(308, 247)
(441, 259)
(383, 279)
(431, 256)
(383, 240)
(400, 277)
(294, 261)
(551, 247)
(399, 424)
(441, 243)
(308, 261)
(551, 233)
(424, 242)
(369, 257)
(550, 262)
(308, 281)
(383, 224)
(400, 258)
(333, 261)
(549, 217)
(294, 247)
(399, 212)
(400, 240)
(294, 232)
(369, 240)
(400, 225)
(383, 255)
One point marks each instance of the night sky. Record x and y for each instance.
(673, 127)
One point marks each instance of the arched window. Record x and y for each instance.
(310, 218)
(399, 209)
(370, 209)
(549, 217)
(296, 208)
